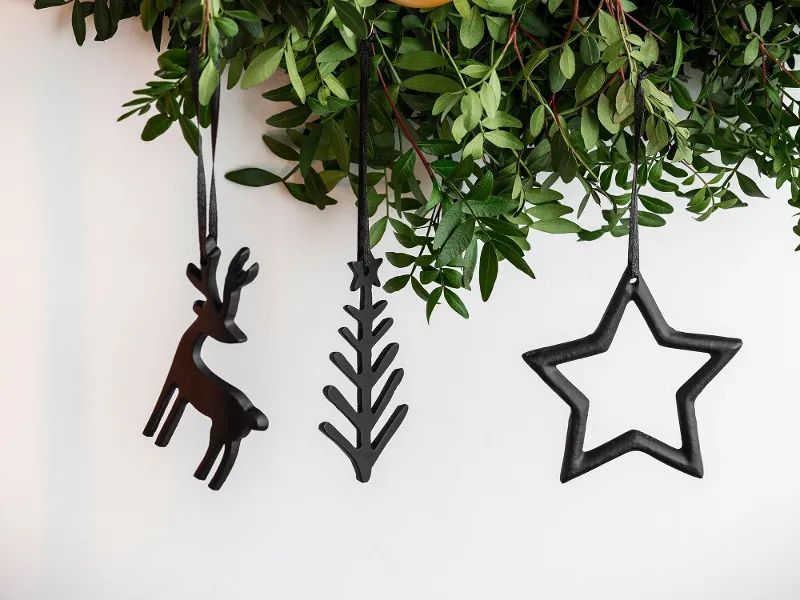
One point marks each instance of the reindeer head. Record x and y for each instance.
(216, 315)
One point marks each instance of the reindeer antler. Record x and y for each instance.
(236, 279)
(205, 277)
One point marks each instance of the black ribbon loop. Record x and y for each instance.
(364, 251)
(207, 217)
(633, 227)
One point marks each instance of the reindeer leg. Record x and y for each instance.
(225, 465)
(173, 418)
(160, 408)
(208, 460)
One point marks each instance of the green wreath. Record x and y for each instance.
(497, 101)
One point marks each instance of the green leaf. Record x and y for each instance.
(681, 95)
(430, 82)
(351, 17)
(155, 126)
(294, 117)
(512, 254)
(609, 28)
(336, 52)
(339, 144)
(676, 67)
(316, 190)
(656, 205)
(209, 79)
(377, 230)
(227, 27)
(471, 110)
(243, 15)
(309, 149)
(455, 303)
(252, 177)
(749, 186)
(730, 35)
(40, 4)
(456, 243)
(439, 147)
(493, 206)
(590, 128)
(567, 62)
(450, 221)
(487, 271)
(765, 22)
(540, 196)
(482, 188)
(235, 70)
(472, 28)
(148, 13)
(400, 260)
(537, 121)
(463, 8)
(102, 20)
(294, 75)
(78, 23)
(403, 167)
(433, 301)
(280, 149)
(647, 219)
(750, 14)
(262, 67)
(501, 119)
(504, 139)
(557, 225)
(396, 284)
(190, 132)
(648, 51)
(752, 49)
(552, 210)
(605, 113)
(420, 60)
(590, 83)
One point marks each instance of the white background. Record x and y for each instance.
(465, 502)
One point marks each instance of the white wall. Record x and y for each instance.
(465, 502)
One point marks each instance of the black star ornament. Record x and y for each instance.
(545, 362)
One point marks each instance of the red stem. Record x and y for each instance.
(402, 124)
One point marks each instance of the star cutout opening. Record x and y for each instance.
(545, 363)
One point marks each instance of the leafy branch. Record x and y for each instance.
(501, 101)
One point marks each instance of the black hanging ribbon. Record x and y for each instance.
(207, 218)
(364, 251)
(633, 227)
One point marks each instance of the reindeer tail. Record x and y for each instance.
(256, 419)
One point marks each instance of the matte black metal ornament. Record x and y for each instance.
(232, 414)
(545, 362)
(632, 288)
(365, 376)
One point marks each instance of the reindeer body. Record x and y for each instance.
(232, 414)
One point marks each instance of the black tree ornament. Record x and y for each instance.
(632, 288)
(365, 376)
(232, 414)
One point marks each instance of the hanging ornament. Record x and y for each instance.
(232, 414)
(365, 375)
(632, 288)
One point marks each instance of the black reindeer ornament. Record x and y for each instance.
(232, 414)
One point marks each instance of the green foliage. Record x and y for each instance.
(501, 100)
